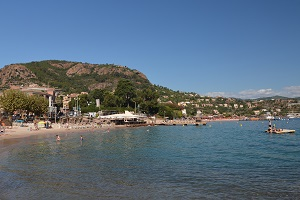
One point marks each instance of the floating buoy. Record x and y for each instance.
(241, 124)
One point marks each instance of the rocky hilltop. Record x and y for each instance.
(69, 76)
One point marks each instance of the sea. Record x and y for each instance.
(222, 160)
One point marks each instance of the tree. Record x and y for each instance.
(38, 105)
(148, 101)
(84, 100)
(166, 111)
(191, 110)
(12, 100)
(16, 100)
(126, 92)
(98, 94)
(110, 100)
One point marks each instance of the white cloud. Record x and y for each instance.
(216, 94)
(290, 91)
(251, 94)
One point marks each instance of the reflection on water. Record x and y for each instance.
(222, 160)
(7, 142)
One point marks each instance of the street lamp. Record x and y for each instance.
(77, 106)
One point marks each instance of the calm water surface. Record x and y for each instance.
(223, 160)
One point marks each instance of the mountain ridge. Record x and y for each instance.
(69, 76)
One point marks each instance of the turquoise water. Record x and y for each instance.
(223, 160)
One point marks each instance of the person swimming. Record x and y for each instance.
(57, 138)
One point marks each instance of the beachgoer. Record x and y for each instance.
(270, 126)
(57, 138)
(81, 138)
(36, 127)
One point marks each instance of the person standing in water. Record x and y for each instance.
(270, 126)
(57, 138)
(81, 139)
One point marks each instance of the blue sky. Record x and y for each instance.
(237, 48)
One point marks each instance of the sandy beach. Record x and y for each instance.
(29, 129)
(26, 131)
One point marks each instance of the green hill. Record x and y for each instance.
(70, 76)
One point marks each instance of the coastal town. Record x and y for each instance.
(195, 110)
(106, 100)
(190, 105)
(116, 100)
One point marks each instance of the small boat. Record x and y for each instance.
(278, 130)
(281, 131)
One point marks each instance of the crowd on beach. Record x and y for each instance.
(27, 129)
(39, 127)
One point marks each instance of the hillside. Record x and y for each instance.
(76, 77)
(69, 76)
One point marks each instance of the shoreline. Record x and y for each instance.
(18, 132)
